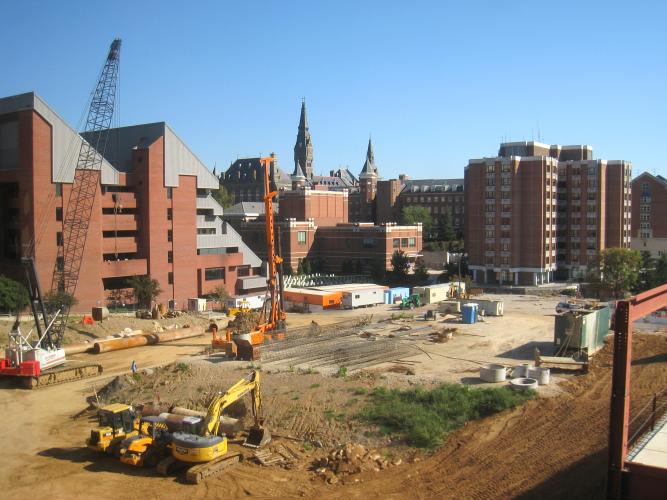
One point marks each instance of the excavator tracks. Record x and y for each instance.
(69, 372)
(198, 473)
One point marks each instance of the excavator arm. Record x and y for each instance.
(233, 394)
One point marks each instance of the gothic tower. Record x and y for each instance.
(368, 180)
(303, 149)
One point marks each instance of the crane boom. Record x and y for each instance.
(84, 188)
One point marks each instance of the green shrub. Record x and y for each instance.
(422, 418)
(342, 371)
(13, 295)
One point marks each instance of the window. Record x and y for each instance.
(170, 256)
(404, 242)
(170, 193)
(205, 230)
(368, 243)
(396, 242)
(170, 234)
(412, 242)
(170, 278)
(59, 238)
(59, 213)
(59, 190)
(490, 220)
(169, 214)
(301, 237)
(490, 169)
(214, 273)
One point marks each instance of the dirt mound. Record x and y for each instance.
(244, 322)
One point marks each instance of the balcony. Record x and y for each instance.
(125, 244)
(119, 222)
(208, 203)
(130, 267)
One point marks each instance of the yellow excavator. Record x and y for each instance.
(203, 448)
(116, 422)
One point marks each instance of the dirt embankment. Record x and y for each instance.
(549, 448)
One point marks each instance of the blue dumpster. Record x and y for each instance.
(469, 313)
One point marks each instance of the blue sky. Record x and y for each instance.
(435, 83)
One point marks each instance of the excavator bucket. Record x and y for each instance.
(257, 437)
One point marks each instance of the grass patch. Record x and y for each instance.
(422, 418)
(402, 315)
(314, 386)
(359, 391)
(342, 371)
(183, 367)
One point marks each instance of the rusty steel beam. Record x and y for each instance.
(627, 311)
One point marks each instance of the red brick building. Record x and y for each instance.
(153, 213)
(342, 248)
(536, 212)
(649, 214)
(328, 208)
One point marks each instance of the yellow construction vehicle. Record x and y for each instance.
(149, 446)
(117, 421)
(204, 448)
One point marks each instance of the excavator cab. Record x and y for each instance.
(116, 422)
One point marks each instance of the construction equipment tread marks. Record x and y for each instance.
(66, 373)
(198, 473)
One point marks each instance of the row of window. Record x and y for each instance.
(404, 242)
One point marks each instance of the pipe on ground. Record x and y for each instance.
(146, 339)
(80, 347)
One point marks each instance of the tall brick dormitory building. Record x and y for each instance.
(539, 212)
(153, 213)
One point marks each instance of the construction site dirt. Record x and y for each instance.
(553, 446)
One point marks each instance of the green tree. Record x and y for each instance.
(221, 294)
(446, 226)
(414, 214)
(659, 275)
(421, 276)
(60, 301)
(615, 270)
(223, 197)
(13, 295)
(145, 289)
(646, 274)
(400, 265)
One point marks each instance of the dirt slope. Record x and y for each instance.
(550, 448)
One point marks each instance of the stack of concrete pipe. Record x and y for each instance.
(135, 338)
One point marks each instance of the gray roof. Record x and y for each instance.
(433, 186)
(659, 178)
(248, 208)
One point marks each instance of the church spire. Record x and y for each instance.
(369, 168)
(303, 149)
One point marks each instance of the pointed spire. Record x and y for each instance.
(369, 168)
(369, 153)
(303, 120)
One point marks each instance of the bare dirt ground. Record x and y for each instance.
(552, 447)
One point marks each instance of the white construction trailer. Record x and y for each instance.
(363, 298)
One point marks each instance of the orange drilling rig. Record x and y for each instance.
(272, 321)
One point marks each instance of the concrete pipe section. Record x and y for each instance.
(493, 373)
(523, 384)
(542, 375)
(521, 370)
